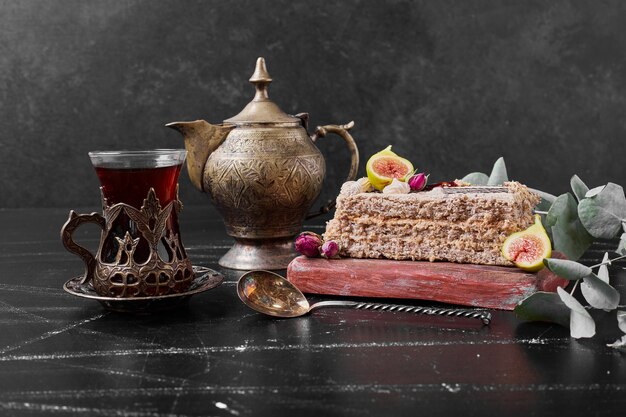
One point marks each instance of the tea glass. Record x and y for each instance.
(140, 253)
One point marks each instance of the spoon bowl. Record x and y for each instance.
(271, 294)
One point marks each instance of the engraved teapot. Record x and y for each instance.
(263, 172)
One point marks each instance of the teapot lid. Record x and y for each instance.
(261, 109)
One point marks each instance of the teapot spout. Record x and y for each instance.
(201, 139)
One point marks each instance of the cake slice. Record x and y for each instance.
(465, 224)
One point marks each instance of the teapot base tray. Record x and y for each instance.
(247, 254)
(204, 280)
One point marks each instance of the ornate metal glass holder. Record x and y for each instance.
(140, 252)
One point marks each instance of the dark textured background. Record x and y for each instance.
(452, 84)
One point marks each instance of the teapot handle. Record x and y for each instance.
(341, 130)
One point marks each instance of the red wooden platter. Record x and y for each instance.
(486, 286)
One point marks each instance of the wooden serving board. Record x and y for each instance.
(463, 284)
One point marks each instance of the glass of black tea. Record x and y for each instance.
(140, 252)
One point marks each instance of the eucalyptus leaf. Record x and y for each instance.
(546, 196)
(619, 343)
(547, 199)
(498, 173)
(476, 178)
(621, 248)
(543, 306)
(558, 208)
(567, 269)
(580, 322)
(599, 294)
(578, 187)
(603, 213)
(603, 271)
(569, 236)
(543, 205)
(621, 320)
(594, 191)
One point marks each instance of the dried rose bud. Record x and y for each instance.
(308, 244)
(329, 249)
(418, 181)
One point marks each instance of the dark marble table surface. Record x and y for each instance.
(62, 355)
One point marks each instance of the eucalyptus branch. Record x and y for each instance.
(576, 219)
(608, 262)
(574, 287)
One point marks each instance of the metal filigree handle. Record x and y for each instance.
(73, 222)
(483, 315)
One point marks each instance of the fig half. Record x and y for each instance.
(527, 249)
(384, 166)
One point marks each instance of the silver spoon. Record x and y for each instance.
(271, 294)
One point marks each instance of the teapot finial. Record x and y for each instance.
(261, 79)
(261, 109)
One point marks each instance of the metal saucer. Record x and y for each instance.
(205, 279)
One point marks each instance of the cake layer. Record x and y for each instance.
(461, 224)
(452, 204)
(433, 233)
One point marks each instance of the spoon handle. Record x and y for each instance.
(483, 315)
